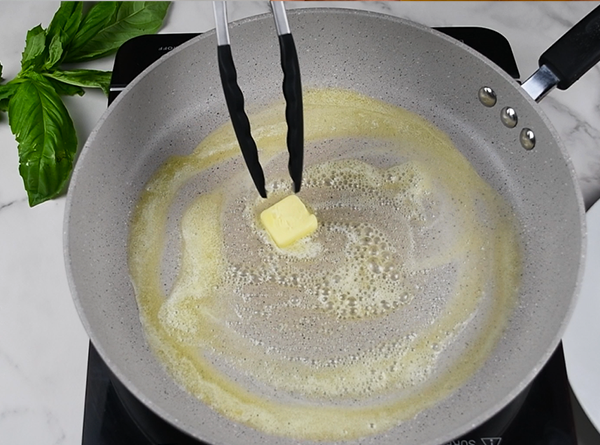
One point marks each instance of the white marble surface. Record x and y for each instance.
(43, 348)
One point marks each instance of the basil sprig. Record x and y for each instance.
(40, 122)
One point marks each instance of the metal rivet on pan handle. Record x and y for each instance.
(487, 96)
(508, 116)
(527, 138)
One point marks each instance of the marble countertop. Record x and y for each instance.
(43, 347)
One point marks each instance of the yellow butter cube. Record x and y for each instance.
(288, 221)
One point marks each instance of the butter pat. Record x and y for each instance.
(288, 221)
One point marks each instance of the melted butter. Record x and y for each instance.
(358, 327)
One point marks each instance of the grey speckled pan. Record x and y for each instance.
(179, 100)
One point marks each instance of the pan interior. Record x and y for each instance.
(415, 267)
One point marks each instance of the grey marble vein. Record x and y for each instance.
(5, 205)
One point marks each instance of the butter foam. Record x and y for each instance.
(359, 326)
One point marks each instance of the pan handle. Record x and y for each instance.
(568, 59)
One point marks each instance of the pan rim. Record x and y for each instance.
(122, 375)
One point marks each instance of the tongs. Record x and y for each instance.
(292, 91)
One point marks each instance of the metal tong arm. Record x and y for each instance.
(292, 91)
(235, 99)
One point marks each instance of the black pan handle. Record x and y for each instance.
(292, 91)
(575, 52)
(235, 104)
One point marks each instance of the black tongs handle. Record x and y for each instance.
(235, 104)
(292, 91)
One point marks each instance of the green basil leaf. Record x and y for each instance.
(35, 47)
(83, 78)
(66, 21)
(3, 106)
(7, 90)
(61, 31)
(101, 15)
(46, 138)
(65, 89)
(55, 50)
(130, 19)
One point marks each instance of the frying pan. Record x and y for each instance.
(178, 101)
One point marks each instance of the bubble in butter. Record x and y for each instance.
(288, 221)
(354, 329)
